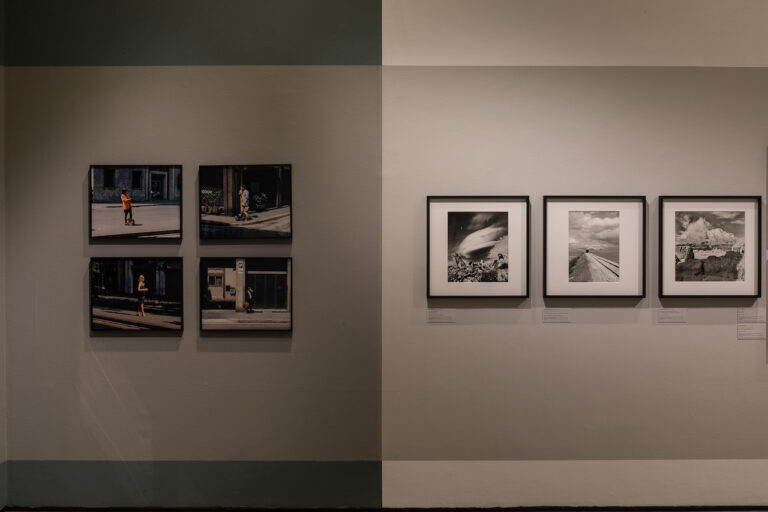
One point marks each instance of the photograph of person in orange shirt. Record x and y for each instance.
(127, 208)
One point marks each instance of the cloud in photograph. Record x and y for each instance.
(593, 229)
(712, 228)
(476, 235)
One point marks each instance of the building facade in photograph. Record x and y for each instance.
(144, 184)
(119, 276)
(228, 281)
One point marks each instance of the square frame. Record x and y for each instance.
(643, 249)
(527, 256)
(758, 200)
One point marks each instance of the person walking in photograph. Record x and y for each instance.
(142, 291)
(249, 298)
(127, 208)
(244, 199)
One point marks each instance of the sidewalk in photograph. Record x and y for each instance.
(240, 320)
(126, 319)
(275, 222)
(157, 220)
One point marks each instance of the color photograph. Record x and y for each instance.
(140, 202)
(245, 201)
(709, 246)
(136, 294)
(478, 247)
(593, 246)
(245, 294)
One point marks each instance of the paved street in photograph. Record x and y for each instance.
(151, 220)
(276, 222)
(114, 318)
(229, 319)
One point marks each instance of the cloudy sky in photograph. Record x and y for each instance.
(476, 235)
(711, 227)
(593, 230)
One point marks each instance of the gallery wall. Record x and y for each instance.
(498, 408)
(3, 217)
(574, 33)
(290, 419)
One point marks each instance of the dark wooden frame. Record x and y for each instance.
(120, 239)
(643, 200)
(225, 331)
(239, 239)
(758, 255)
(527, 201)
(132, 332)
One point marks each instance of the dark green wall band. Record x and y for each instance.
(192, 32)
(182, 484)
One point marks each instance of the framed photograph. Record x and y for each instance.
(136, 294)
(709, 246)
(135, 202)
(246, 294)
(594, 246)
(245, 201)
(477, 246)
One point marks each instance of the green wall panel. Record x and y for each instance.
(192, 32)
(95, 484)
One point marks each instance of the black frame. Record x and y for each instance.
(252, 331)
(137, 332)
(240, 239)
(643, 200)
(759, 278)
(527, 201)
(134, 239)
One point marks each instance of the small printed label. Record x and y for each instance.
(750, 315)
(750, 331)
(440, 316)
(750, 324)
(671, 316)
(556, 316)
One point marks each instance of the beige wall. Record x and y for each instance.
(312, 395)
(499, 385)
(575, 32)
(3, 324)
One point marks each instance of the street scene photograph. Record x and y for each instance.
(245, 294)
(135, 201)
(709, 246)
(478, 247)
(136, 294)
(593, 246)
(245, 201)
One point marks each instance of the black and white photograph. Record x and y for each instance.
(478, 247)
(593, 246)
(245, 201)
(135, 202)
(245, 294)
(709, 246)
(136, 294)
